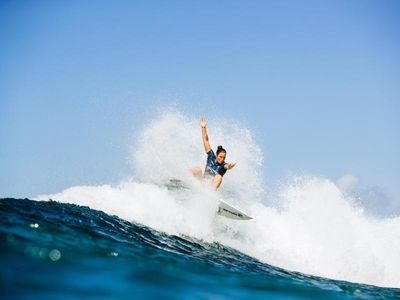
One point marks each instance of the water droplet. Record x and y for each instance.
(43, 253)
(55, 255)
(32, 251)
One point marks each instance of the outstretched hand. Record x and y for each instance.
(229, 166)
(203, 122)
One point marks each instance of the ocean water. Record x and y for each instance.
(141, 238)
(57, 250)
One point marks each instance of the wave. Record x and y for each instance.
(69, 242)
(309, 226)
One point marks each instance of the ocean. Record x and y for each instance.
(143, 238)
(66, 251)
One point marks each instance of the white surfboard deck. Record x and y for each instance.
(224, 209)
(228, 211)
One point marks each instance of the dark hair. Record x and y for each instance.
(220, 149)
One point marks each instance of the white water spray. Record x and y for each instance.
(313, 228)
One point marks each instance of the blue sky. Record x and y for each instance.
(318, 82)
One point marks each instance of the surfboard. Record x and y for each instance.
(224, 209)
(228, 211)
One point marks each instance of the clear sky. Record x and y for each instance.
(317, 82)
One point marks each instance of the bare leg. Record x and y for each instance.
(197, 172)
(217, 181)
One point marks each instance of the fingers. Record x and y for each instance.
(203, 122)
(229, 166)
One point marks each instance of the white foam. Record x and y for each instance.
(314, 228)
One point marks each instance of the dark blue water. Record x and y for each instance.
(53, 250)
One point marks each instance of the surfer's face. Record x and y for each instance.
(220, 157)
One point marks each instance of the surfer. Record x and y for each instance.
(216, 166)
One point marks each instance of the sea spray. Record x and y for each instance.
(317, 230)
(312, 227)
(171, 145)
(149, 204)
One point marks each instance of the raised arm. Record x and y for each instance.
(206, 143)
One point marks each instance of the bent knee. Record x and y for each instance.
(197, 171)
